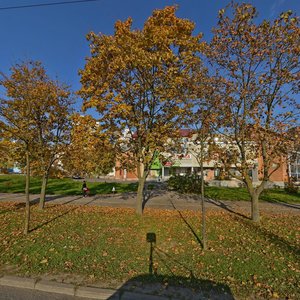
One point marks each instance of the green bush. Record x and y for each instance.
(291, 188)
(190, 183)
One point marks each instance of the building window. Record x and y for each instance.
(295, 168)
(217, 173)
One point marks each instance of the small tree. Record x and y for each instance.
(35, 119)
(203, 118)
(198, 148)
(16, 117)
(52, 119)
(261, 65)
(139, 80)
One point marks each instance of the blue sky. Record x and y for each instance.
(55, 35)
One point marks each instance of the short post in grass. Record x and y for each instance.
(151, 238)
(113, 189)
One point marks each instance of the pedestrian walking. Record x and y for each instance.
(85, 189)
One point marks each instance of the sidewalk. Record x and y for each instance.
(160, 199)
(131, 290)
(74, 290)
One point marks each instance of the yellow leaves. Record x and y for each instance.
(90, 150)
(138, 78)
(36, 107)
(68, 264)
(111, 243)
(122, 28)
(221, 237)
(221, 12)
(44, 261)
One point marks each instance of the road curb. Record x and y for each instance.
(19, 282)
(73, 290)
(55, 287)
(136, 296)
(96, 293)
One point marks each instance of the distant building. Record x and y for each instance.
(294, 168)
(186, 163)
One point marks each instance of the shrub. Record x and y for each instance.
(190, 183)
(291, 188)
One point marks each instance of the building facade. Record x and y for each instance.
(187, 163)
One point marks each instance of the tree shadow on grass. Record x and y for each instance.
(60, 215)
(18, 205)
(274, 238)
(15, 207)
(188, 225)
(170, 286)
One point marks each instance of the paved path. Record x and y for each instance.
(157, 199)
(18, 288)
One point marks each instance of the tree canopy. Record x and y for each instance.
(260, 63)
(139, 81)
(90, 152)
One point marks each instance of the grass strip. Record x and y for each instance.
(99, 244)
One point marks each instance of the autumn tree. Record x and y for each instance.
(139, 80)
(16, 122)
(203, 118)
(6, 161)
(52, 120)
(261, 65)
(34, 117)
(90, 151)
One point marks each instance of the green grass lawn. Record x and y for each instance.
(270, 195)
(109, 245)
(64, 186)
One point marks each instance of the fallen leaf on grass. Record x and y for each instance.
(44, 261)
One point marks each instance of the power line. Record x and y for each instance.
(46, 4)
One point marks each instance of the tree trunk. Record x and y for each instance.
(203, 210)
(142, 175)
(140, 195)
(43, 190)
(203, 200)
(254, 193)
(27, 207)
(255, 206)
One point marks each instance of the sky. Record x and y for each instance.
(56, 34)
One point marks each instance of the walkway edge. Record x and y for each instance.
(72, 289)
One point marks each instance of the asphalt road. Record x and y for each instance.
(12, 293)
